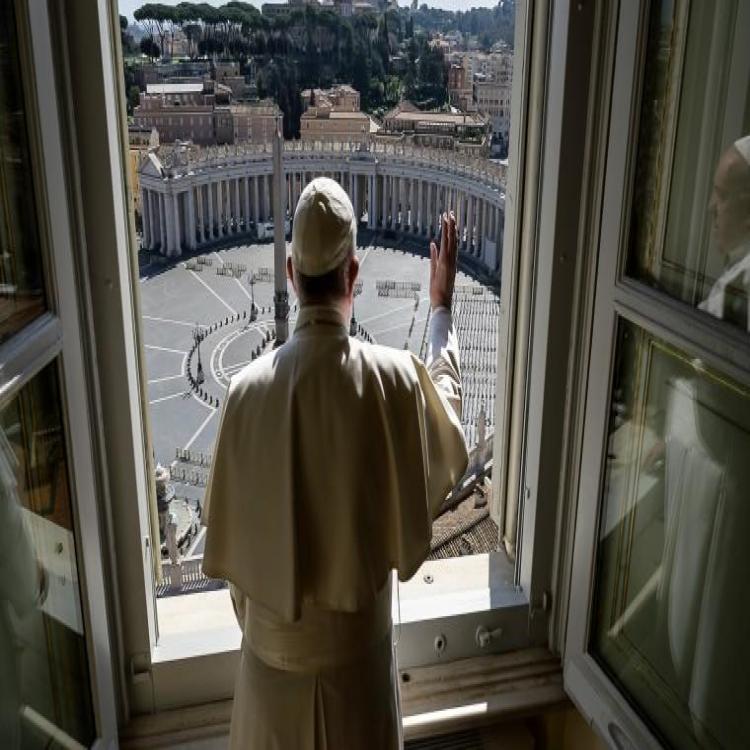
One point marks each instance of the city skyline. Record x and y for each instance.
(127, 7)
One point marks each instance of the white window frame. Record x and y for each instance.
(535, 238)
(58, 337)
(618, 297)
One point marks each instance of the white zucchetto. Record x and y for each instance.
(325, 230)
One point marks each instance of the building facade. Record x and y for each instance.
(493, 100)
(465, 132)
(460, 92)
(193, 197)
(203, 112)
(334, 115)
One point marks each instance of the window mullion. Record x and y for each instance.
(23, 356)
(684, 326)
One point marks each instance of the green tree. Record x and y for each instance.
(150, 48)
(134, 97)
(153, 16)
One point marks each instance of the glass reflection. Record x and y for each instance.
(671, 616)
(690, 222)
(730, 209)
(44, 685)
(21, 290)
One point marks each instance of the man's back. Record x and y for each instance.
(332, 459)
(335, 439)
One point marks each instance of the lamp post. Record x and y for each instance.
(198, 335)
(253, 308)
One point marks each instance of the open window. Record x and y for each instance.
(656, 627)
(177, 650)
(57, 676)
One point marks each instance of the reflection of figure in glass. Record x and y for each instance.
(730, 205)
(706, 612)
(20, 592)
(332, 460)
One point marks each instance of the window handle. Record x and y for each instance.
(484, 637)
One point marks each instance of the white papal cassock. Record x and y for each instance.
(333, 458)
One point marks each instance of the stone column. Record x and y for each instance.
(177, 224)
(485, 224)
(146, 229)
(226, 196)
(228, 205)
(198, 204)
(256, 199)
(247, 203)
(191, 219)
(152, 217)
(237, 210)
(220, 207)
(354, 198)
(151, 221)
(371, 202)
(460, 216)
(209, 211)
(478, 239)
(169, 224)
(397, 200)
(383, 195)
(470, 224)
(412, 205)
(429, 209)
(420, 207)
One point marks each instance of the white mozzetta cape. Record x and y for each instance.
(332, 459)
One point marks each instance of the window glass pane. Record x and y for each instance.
(690, 229)
(204, 216)
(21, 292)
(671, 617)
(44, 677)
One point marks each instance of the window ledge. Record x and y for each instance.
(435, 700)
(201, 624)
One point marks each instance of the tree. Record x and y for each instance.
(134, 98)
(152, 17)
(129, 46)
(150, 48)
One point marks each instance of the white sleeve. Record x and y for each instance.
(442, 360)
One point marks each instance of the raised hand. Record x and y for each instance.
(443, 263)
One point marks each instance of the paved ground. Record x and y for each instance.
(175, 300)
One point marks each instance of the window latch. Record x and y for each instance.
(484, 637)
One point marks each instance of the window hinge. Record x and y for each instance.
(540, 604)
(140, 668)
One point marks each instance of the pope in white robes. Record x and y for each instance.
(332, 460)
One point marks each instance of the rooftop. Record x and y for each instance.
(454, 118)
(174, 88)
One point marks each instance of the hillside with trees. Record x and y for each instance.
(385, 57)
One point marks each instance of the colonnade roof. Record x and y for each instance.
(175, 160)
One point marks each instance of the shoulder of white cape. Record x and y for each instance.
(384, 358)
(743, 146)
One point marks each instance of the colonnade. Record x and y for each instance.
(187, 206)
(209, 210)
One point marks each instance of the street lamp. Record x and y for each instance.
(253, 308)
(198, 335)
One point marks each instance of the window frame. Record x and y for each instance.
(149, 684)
(56, 338)
(679, 324)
